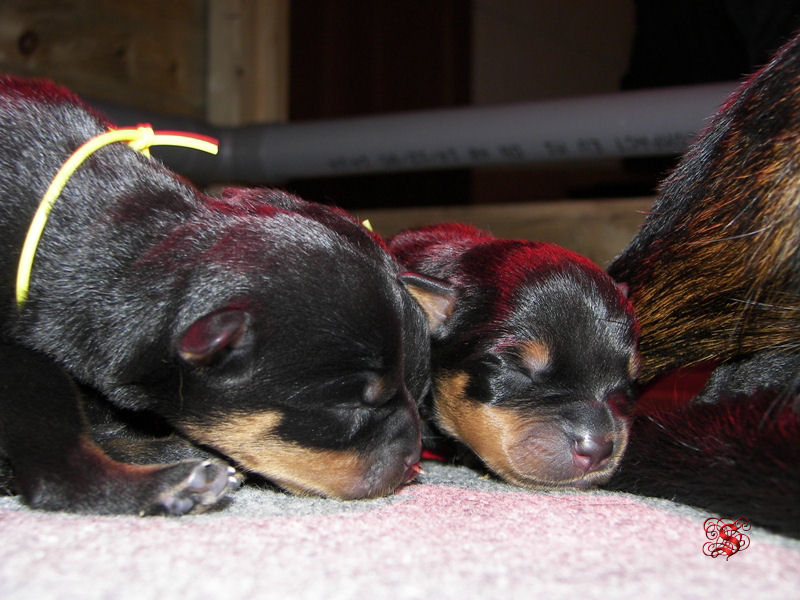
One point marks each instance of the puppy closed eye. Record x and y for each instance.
(520, 376)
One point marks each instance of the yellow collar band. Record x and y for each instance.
(140, 139)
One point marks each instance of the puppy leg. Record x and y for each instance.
(151, 451)
(137, 437)
(56, 466)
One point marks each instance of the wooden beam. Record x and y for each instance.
(248, 59)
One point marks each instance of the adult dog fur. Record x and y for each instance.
(714, 275)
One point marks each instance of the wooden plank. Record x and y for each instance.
(248, 62)
(149, 53)
(597, 229)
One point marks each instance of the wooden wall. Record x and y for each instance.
(350, 57)
(248, 61)
(597, 229)
(224, 60)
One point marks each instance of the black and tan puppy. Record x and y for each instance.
(714, 275)
(534, 361)
(275, 332)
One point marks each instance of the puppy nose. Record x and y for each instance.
(591, 451)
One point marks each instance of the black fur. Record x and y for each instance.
(276, 333)
(533, 365)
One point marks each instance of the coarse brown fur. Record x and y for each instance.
(714, 275)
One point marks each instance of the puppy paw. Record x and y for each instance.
(201, 486)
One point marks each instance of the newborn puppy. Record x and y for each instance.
(255, 328)
(533, 362)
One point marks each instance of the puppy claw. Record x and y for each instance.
(207, 483)
(412, 472)
(235, 479)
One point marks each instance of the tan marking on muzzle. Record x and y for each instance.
(250, 440)
(490, 431)
(519, 447)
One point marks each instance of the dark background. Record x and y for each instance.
(355, 58)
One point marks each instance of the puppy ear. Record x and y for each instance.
(435, 297)
(211, 334)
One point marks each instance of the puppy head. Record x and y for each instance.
(534, 371)
(302, 355)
